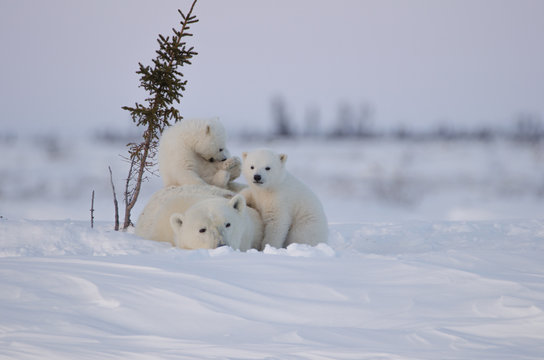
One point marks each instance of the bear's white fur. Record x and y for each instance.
(291, 212)
(200, 217)
(150, 223)
(194, 152)
(214, 222)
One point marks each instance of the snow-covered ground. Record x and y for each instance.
(417, 290)
(435, 252)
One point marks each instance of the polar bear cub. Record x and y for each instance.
(291, 212)
(200, 217)
(194, 151)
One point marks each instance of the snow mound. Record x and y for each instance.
(69, 238)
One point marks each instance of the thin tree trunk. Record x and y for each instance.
(130, 204)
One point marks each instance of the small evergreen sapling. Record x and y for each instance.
(163, 82)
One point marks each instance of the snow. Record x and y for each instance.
(435, 252)
(418, 290)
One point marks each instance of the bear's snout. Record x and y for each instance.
(257, 177)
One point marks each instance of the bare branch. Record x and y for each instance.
(92, 210)
(115, 204)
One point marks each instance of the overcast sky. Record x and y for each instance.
(72, 64)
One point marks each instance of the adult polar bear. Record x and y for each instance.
(194, 152)
(200, 217)
(291, 212)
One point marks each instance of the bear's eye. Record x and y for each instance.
(227, 225)
(203, 230)
(220, 150)
(252, 167)
(267, 168)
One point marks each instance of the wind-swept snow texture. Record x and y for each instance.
(442, 290)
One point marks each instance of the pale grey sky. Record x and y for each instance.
(72, 64)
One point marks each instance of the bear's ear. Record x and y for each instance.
(283, 158)
(238, 203)
(208, 129)
(176, 220)
(244, 155)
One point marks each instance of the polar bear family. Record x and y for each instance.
(200, 206)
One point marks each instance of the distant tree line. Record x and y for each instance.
(358, 124)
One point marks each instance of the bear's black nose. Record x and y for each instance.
(257, 177)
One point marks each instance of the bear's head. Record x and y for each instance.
(210, 142)
(263, 168)
(210, 223)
